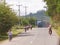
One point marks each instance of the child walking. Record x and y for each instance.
(10, 35)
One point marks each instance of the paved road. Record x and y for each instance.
(37, 36)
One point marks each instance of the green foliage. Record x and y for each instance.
(7, 18)
(27, 21)
(32, 21)
(54, 10)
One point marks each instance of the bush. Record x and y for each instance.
(7, 19)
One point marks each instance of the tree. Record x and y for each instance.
(32, 21)
(7, 19)
(28, 20)
(54, 10)
(24, 21)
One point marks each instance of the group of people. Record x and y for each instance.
(10, 32)
(27, 27)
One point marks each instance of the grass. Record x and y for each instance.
(15, 32)
(3, 37)
(58, 31)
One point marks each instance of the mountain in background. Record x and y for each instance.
(39, 15)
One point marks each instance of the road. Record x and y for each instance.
(37, 36)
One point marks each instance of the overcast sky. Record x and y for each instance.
(32, 5)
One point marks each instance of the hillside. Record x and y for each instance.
(39, 15)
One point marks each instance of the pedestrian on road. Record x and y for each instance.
(50, 29)
(25, 28)
(31, 27)
(10, 35)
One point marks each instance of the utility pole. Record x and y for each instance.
(25, 10)
(4, 2)
(19, 13)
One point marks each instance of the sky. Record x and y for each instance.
(32, 5)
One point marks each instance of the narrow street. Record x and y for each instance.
(36, 36)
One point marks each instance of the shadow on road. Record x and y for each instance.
(25, 34)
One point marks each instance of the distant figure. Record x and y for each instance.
(10, 35)
(50, 29)
(31, 27)
(25, 28)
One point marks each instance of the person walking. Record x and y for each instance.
(50, 29)
(31, 27)
(10, 35)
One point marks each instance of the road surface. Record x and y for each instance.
(37, 36)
